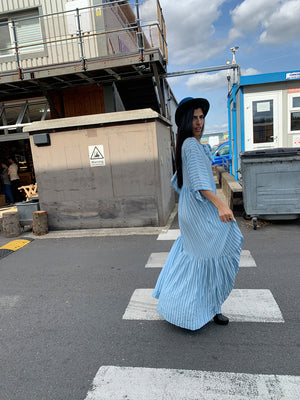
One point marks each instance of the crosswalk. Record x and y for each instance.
(243, 305)
(132, 383)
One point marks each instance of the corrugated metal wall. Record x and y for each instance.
(58, 42)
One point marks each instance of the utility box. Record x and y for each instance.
(271, 183)
(109, 170)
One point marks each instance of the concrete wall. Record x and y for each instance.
(132, 188)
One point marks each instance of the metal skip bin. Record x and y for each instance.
(26, 209)
(271, 183)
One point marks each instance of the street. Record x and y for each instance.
(78, 322)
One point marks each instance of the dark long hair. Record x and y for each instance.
(185, 130)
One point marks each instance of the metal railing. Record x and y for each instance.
(78, 36)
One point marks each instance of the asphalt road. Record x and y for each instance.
(62, 302)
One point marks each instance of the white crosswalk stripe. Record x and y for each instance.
(171, 234)
(113, 382)
(242, 305)
(157, 260)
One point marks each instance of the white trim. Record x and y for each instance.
(292, 109)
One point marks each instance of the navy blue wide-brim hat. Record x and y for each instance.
(190, 102)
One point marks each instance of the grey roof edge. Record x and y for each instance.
(95, 119)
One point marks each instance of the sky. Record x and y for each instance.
(200, 34)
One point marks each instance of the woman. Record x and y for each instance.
(14, 179)
(200, 270)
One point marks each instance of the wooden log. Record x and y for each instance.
(11, 224)
(40, 223)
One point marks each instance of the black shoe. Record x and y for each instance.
(220, 319)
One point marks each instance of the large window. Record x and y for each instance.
(294, 110)
(16, 114)
(263, 121)
(23, 27)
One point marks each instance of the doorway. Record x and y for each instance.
(263, 120)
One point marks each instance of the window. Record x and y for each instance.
(25, 25)
(15, 115)
(263, 121)
(224, 150)
(294, 109)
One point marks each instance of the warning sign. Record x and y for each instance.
(96, 155)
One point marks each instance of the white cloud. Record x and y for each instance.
(249, 71)
(277, 21)
(248, 15)
(207, 82)
(190, 28)
(283, 25)
(216, 128)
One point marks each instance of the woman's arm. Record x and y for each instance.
(225, 213)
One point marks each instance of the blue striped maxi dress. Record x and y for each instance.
(200, 270)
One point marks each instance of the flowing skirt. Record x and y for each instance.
(200, 270)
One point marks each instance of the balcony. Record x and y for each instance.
(81, 45)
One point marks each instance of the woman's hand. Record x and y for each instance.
(225, 213)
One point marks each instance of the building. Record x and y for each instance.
(67, 59)
(264, 113)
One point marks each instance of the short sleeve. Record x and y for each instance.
(197, 163)
(175, 183)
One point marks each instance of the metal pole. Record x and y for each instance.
(16, 49)
(234, 123)
(83, 62)
(139, 32)
(200, 70)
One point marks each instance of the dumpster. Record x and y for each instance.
(25, 210)
(271, 183)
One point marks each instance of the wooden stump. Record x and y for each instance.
(11, 224)
(40, 223)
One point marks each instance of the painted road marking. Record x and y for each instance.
(12, 246)
(170, 234)
(157, 260)
(242, 305)
(113, 382)
(247, 260)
